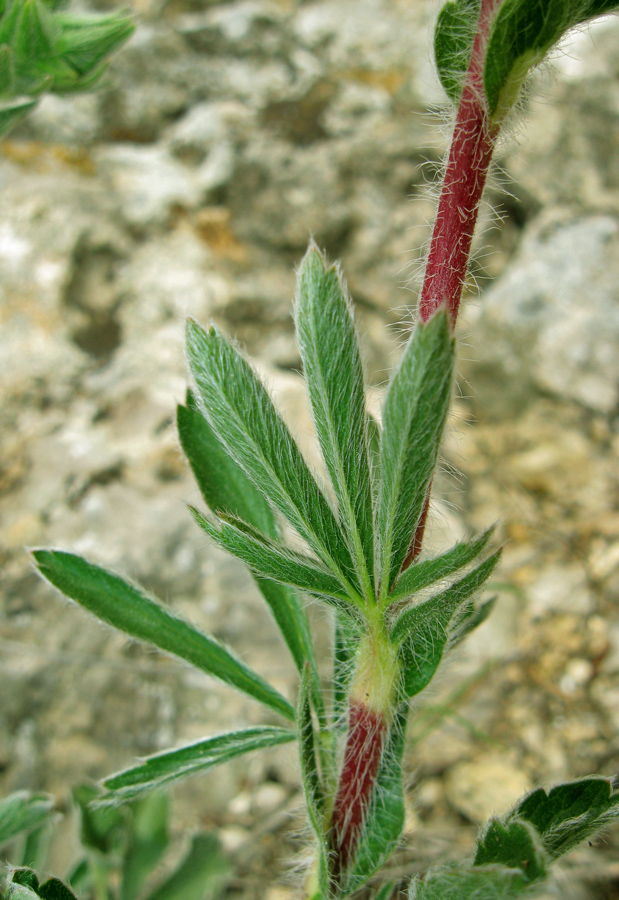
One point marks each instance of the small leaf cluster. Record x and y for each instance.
(120, 848)
(521, 34)
(44, 48)
(514, 853)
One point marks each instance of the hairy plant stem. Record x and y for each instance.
(370, 713)
(473, 142)
(374, 690)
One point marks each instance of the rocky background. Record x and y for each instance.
(226, 134)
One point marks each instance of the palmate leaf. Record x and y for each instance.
(226, 488)
(84, 42)
(384, 821)
(241, 413)
(127, 608)
(159, 770)
(58, 51)
(22, 812)
(414, 417)
(424, 630)
(275, 561)
(422, 574)
(334, 377)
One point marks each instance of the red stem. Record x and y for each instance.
(366, 738)
(473, 143)
(469, 159)
(415, 548)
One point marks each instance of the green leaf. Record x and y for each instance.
(12, 112)
(466, 883)
(7, 72)
(101, 830)
(453, 43)
(334, 375)
(440, 609)
(373, 435)
(422, 574)
(55, 889)
(223, 484)
(159, 770)
(148, 840)
(26, 877)
(424, 630)
(36, 846)
(472, 617)
(243, 417)
(415, 413)
(569, 813)
(274, 560)
(19, 892)
(385, 892)
(384, 820)
(347, 635)
(312, 787)
(22, 812)
(34, 37)
(126, 607)
(200, 876)
(522, 33)
(226, 488)
(514, 845)
(84, 42)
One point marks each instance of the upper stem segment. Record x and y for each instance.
(472, 145)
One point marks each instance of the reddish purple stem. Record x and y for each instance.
(364, 747)
(469, 159)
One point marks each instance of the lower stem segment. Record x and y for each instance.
(367, 731)
(370, 714)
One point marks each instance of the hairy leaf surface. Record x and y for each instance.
(243, 417)
(275, 561)
(423, 631)
(570, 813)
(124, 606)
(422, 574)
(453, 43)
(159, 770)
(334, 375)
(523, 31)
(226, 488)
(415, 413)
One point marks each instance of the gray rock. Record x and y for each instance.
(551, 321)
(147, 183)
